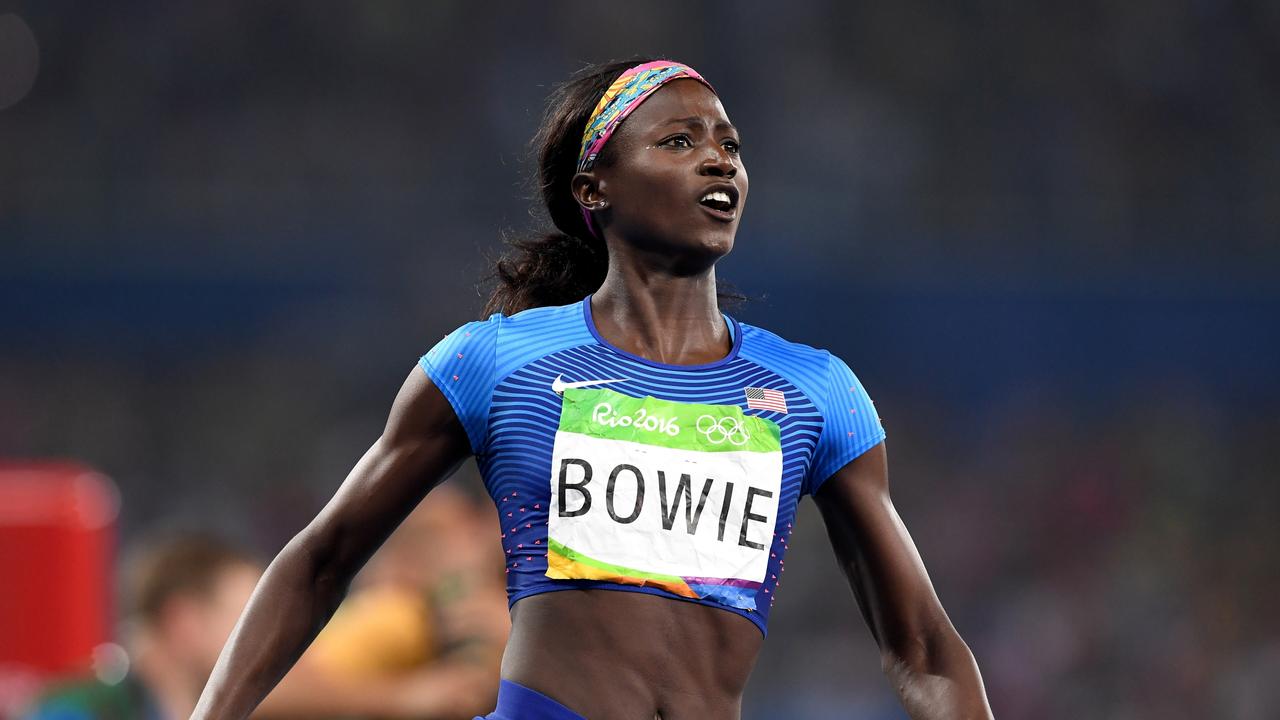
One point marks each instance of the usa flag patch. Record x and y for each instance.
(766, 399)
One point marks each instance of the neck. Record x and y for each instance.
(660, 316)
(164, 676)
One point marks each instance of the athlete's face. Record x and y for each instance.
(663, 160)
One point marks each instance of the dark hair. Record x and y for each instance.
(567, 263)
(178, 564)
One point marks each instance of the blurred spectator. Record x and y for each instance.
(184, 596)
(421, 634)
(441, 572)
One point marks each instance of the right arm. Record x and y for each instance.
(423, 442)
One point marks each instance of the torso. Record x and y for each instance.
(645, 508)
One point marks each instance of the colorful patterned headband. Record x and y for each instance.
(626, 93)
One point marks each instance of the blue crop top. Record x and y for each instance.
(612, 471)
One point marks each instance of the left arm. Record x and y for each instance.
(926, 661)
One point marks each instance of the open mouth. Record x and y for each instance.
(721, 202)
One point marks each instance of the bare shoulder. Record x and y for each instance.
(421, 411)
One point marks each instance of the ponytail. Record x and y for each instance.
(569, 262)
(551, 269)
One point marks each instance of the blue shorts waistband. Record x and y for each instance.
(517, 702)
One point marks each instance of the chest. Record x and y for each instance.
(585, 402)
(685, 481)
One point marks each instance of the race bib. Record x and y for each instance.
(680, 496)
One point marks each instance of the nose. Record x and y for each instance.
(719, 162)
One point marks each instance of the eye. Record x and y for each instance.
(682, 140)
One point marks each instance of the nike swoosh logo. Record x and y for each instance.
(558, 385)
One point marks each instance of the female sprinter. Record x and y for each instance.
(645, 451)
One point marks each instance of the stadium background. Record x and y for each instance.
(1043, 234)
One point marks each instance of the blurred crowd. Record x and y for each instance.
(420, 634)
(1043, 235)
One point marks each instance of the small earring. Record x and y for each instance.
(602, 204)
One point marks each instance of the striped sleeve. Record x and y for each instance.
(850, 424)
(462, 365)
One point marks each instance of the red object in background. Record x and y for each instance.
(57, 546)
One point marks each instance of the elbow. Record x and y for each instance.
(917, 645)
(904, 658)
(936, 675)
(317, 550)
(936, 649)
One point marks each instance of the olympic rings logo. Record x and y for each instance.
(725, 429)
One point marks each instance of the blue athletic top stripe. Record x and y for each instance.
(497, 375)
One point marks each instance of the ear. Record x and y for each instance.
(589, 190)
